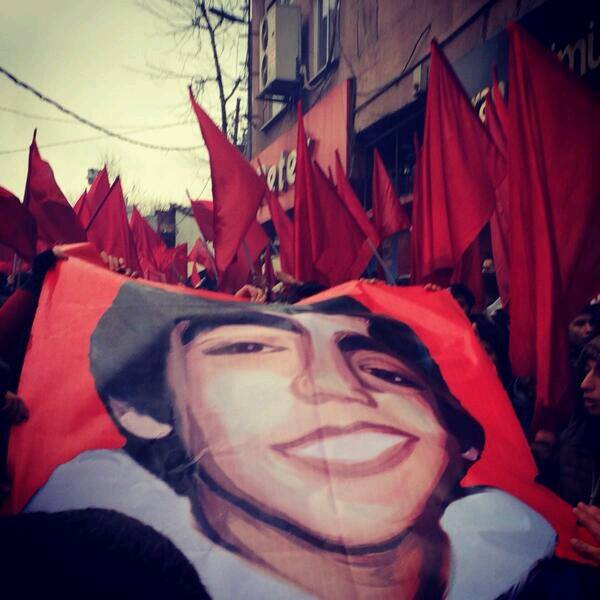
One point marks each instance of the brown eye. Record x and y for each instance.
(243, 348)
(390, 376)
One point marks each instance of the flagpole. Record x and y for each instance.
(95, 214)
(388, 275)
(247, 255)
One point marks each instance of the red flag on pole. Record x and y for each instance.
(17, 226)
(109, 230)
(285, 232)
(248, 253)
(353, 204)
(459, 172)
(79, 204)
(203, 213)
(147, 242)
(94, 197)
(236, 189)
(553, 136)
(389, 215)
(304, 213)
(55, 219)
(499, 222)
(202, 255)
(343, 248)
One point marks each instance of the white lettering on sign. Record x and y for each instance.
(281, 175)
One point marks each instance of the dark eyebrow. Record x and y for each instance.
(354, 341)
(200, 325)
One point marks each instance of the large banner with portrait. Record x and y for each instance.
(356, 445)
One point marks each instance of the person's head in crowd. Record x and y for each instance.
(245, 408)
(589, 363)
(464, 296)
(490, 283)
(92, 554)
(493, 342)
(582, 327)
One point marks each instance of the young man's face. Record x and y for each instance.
(590, 386)
(312, 424)
(581, 330)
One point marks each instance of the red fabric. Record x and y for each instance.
(248, 253)
(195, 277)
(79, 204)
(353, 204)
(285, 232)
(179, 263)
(67, 417)
(389, 215)
(468, 272)
(343, 250)
(17, 225)
(460, 169)
(236, 189)
(499, 223)
(554, 184)
(109, 230)
(201, 254)
(304, 212)
(330, 247)
(56, 221)
(147, 242)
(94, 197)
(203, 213)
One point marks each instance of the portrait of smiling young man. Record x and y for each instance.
(306, 451)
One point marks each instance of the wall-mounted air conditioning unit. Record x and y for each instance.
(279, 51)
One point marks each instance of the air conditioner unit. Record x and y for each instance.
(279, 51)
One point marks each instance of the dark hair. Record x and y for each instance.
(131, 342)
(92, 554)
(460, 290)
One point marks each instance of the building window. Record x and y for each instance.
(325, 24)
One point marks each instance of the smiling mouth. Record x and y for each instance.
(356, 451)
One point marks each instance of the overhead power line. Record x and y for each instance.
(89, 123)
(27, 115)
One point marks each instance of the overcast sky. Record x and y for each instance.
(86, 55)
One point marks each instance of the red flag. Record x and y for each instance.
(343, 248)
(201, 254)
(459, 172)
(147, 242)
(389, 215)
(195, 276)
(305, 219)
(79, 204)
(236, 188)
(55, 219)
(499, 223)
(94, 197)
(109, 230)
(248, 253)
(203, 213)
(553, 136)
(353, 204)
(285, 232)
(179, 263)
(17, 226)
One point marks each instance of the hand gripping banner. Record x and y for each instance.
(356, 445)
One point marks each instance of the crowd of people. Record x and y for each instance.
(568, 459)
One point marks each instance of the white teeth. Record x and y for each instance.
(351, 447)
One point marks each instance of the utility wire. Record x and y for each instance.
(89, 123)
(138, 127)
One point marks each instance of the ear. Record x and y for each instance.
(138, 424)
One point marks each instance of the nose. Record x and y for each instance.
(587, 328)
(588, 381)
(327, 378)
